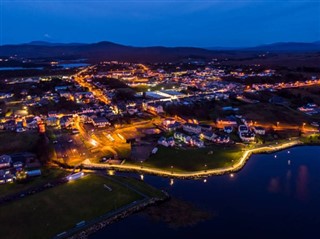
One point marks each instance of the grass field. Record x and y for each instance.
(53, 211)
(192, 159)
(311, 139)
(11, 142)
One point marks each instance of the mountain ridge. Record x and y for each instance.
(106, 50)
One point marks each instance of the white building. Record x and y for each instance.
(192, 128)
(5, 161)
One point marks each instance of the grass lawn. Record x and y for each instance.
(11, 142)
(192, 159)
(142, 187)
(53, 211)
(311, 139)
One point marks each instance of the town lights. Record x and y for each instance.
(93, 142)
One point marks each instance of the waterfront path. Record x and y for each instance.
(219, 171)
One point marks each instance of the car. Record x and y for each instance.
(55, 141)
(70, 140)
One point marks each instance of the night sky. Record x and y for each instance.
(168, 23)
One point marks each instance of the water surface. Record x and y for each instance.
(270, 198)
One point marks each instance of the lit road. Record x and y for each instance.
(81, 80)
(242, 161)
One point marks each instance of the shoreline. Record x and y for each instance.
(198, 174)
(99, 223)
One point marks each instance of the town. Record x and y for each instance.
(120, 113)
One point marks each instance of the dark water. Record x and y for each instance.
(73, 65)
(267, 199)
(16, 68)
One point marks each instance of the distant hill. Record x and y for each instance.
(103, 50)
(112, 51)
(287, 47)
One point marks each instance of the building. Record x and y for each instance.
(66, 121)
(196, 141)
(243, 129)
(259, 130)
(180, 136)
(205, 127)
(153, 108)
(33, 173)
(222, 139)
(5, 161)
(100, 122)
(168, 121)
(162, 141)
(228, 129)
(209, 135)
(192, 128)
(247, 136)
(6, 176)
(52, 121)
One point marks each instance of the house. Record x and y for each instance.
(192, 128)
(168, 121)
(162, 141)
(222, 139)
(243, 129)
(66, 121)
(6, 176)
(171, 141)
(31, 123)
(205, 127)
(5, 161)
(52, 114)
(196, 141)
(65, 94)
(208, 135)
(173, 127)
(132, 110)
(17, 164)
(180, 136)
(153, 108)
(166, 142)
(52, 121)
(259, 130)
(33, 173)
(61, 88)
(247, 136)
(228, 129)
(100, 122)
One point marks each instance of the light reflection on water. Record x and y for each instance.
(267, 199)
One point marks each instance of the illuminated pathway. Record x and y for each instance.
(242, 161)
